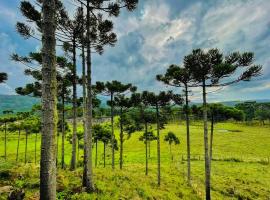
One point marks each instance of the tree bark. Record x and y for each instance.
(25, 150)
(146, 151)
(206, 150)
(18, 145)
(88, 168)
(188, 135)
(112, 136)
(63, 133)
(121, 138)
(74, 104)
(158, 147)
(49, 101)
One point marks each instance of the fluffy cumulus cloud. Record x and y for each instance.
(160, 33)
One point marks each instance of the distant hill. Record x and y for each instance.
(17, 103)
(233, 103)
(24, 103)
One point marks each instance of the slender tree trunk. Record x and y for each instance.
(104, 154)
(63, 133)
(211, 139)
(49, 101)
(25, 150)
(57, 147)
(36, 149)
(96, 153)
(158, 147)
(88, 168)
(146, 151)
(112, 136)
(78, 153)
(188, 135)
(74, 104)
(149, 148)
(121, 138)
(5, 140)
(206, 150)
(18, 145)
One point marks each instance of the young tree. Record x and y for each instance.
(113, 89)
(177, 76)
(210, 68)
(126, 124)
(148, 137)
(171, 138)
(158, 101)
(5, 120)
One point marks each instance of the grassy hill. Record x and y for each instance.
(17, 103)
(240, 168)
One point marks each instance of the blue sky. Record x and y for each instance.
(157, 34)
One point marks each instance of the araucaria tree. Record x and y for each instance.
(212, 69)
(3, 77)
(113, 89)
(171, 138)
(158, 101)
(177, 76)
(49, 101)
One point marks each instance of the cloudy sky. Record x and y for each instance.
(160, 33)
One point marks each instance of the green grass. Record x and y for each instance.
(240, 169)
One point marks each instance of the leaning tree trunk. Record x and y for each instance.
(188, 135)
(49, 101)
(121, 138)
(74, 104)
(112, 124)
(5, 140)
(63, 132)
(206, 150)
(18, 145)
(36, 149)
(211, 139)
(88, 168)
(25, 150)
(158, 146)
(146, 151)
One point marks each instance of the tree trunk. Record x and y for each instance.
(158, 147)
(88, 170)
(63, 133)
(211, 139)
(112, 136)
(36, 149)
(146, 151)
(74, 104)
(57, 147)
(206, 150)
(25, 150)
(121, 138)
(18, 145)
(149, 148)
(188, 135)
(96, 153)
(49, 101)
(104, 154)
(78, 153)
(5, 140)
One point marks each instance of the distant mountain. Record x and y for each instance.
(24, 103)
(17, 103)
(233, 103)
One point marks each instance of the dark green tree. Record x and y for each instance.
(3, 77)
(171, 138)
(212, 69)
(177, 76)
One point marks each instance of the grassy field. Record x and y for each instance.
(240, 169)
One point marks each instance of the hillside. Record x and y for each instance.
(17, 103)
